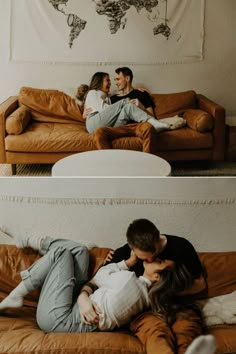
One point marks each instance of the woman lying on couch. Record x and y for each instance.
(118, 293)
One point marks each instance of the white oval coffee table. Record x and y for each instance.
(108, 163)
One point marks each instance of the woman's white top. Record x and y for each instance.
(120, 295)
(97, 100)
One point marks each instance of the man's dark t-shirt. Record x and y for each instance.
(143, 97)
(177, 249)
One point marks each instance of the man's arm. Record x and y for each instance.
(150, 111)
(198, 286)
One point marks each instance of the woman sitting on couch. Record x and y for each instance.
(117, 292)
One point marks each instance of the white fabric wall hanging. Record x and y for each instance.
(111, 32)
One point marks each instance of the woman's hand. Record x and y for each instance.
(137, 103)
(86, 112)
(132, 260)
(89, 311)
(109, 257)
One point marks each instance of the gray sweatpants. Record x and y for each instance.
(119, 113)
(61, 272)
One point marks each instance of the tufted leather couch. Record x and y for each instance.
(43, 126)
(20, 334)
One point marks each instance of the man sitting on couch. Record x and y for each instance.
(123, 80)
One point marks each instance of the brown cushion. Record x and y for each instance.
(199, 120)
(50, 105)
(170, 104)
(230, 143)
(18, 120)
(221, 272)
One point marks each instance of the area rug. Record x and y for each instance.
(179, 169)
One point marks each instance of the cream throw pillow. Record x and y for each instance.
(219, 309)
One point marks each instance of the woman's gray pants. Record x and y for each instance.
(119, 113)
(62, 270)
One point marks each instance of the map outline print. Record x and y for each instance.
(115, 11)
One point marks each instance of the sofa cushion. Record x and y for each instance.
(51, 137)
(61, 138)
(50, 105)
(182, 139)
(199, 120)
(20, 334)
(18, 120)
(170, 104)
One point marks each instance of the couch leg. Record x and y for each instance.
(13, 169)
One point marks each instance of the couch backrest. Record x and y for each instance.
(220, 269)
(221, 272)
(50, 105)
(170, 104)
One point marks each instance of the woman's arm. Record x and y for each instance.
(96, 100)
(88, 310)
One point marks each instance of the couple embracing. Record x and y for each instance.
(153, 275)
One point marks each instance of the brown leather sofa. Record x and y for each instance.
(43, 126)
(20, 334)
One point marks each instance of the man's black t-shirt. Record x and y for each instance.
(143, 97)
(177, 249)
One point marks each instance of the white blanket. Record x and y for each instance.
(219, 309)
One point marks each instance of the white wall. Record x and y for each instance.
(99, 210)
(215, 76)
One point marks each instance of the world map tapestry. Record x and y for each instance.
(107, 31)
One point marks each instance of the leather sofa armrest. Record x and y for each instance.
(6, 108)
(218, 113)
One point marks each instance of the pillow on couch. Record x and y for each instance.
(18, 120)
(171, 104)
(50, 105)
(220, 309)
(199, 120)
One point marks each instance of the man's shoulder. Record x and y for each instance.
(177, 239)
(125, 247)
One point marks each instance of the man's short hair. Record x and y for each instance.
(125, 71)
(143, 234)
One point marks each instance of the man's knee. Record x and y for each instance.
(148, 323)
(154, 333)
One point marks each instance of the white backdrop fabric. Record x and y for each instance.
(73, 31)
(99, 210)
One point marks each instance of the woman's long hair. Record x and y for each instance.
(95, 84)
(162, 294)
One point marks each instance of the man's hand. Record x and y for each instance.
(89, 311)
(132, 260)
(109, 256)
(86, 112)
